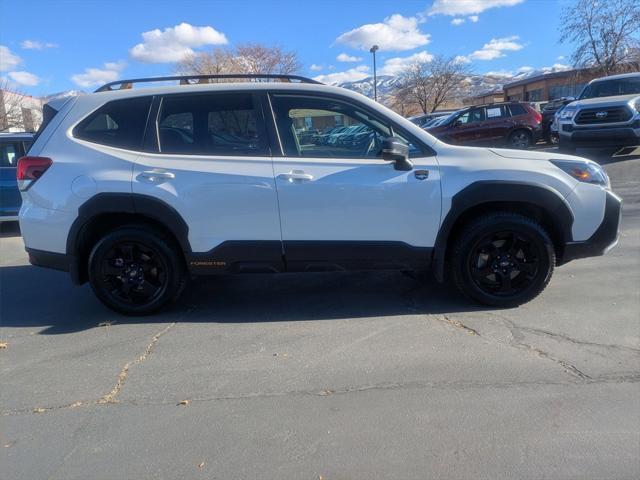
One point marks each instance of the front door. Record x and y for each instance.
(214, 168)
(341, 206)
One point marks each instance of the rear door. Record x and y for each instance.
(497, 124)
(214, 167)
(10, 200)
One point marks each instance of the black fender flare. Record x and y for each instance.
(490, 191)
(130, 203)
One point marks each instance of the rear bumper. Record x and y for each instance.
(55, 261)
(603, 239)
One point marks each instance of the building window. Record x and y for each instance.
(560, 91)
(515, 98)
(534, 95)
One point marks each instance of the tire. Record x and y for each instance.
(519, 139)
(502, 260)
(136, 270)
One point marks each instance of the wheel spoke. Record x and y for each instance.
(147, 289)
(127, 252)
(482, 272)
(109, 270)
(505, 283)
(527, 267)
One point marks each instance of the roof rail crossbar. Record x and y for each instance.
(195, 79)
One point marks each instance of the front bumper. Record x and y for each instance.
(601, 136)
(603, 239)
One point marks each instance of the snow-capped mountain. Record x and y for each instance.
(473, 85)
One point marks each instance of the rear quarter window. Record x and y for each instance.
(517, 109)
(120, 123)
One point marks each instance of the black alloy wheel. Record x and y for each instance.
(502, 259)
(136, 271)
(504, 263)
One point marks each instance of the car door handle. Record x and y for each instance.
(157, 175)
(296, 175)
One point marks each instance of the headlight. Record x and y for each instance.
(635, 104)
(584, 171)
(567, 113)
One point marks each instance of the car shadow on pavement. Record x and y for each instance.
(9, 229)
(35, 297)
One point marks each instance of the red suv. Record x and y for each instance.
(516, 125)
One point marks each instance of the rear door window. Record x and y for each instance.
(9, 154)
(496, 112)
(120, 123)
(225, 124)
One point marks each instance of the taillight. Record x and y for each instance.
(31, 169)
(537, 115)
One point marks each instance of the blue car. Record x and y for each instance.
(12, 147)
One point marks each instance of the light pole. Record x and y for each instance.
(373, 50)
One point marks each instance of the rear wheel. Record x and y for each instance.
(502, 260)
(520, 139)
(136, 271)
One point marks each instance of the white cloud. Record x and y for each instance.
(315, 68)
(468, 7)
(394, 66)
(98, 76)
(173, 43)
(8, 60)
(457, 21)
(494, 49)
(560, 57)
(474, 18)
(36, 45)
(351, 75)
(24, 78)
(343, 57)
(395, 33)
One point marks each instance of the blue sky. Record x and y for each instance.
(49, 46)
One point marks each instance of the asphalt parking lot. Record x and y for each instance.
(331, 376)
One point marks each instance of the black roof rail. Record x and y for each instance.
(195, 79)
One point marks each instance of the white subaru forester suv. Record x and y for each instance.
(138, 189)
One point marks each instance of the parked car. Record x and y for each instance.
(606, 114)
(548, 115)
(422, 119)
(136, 208)
(514, 124)
(12, 147)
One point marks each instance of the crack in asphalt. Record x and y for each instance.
(515, 343)
(328, 392)
(122, 376)
(110, 397)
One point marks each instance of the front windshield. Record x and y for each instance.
(611, 88)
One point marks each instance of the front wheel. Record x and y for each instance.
(136, 270)
(502, 260)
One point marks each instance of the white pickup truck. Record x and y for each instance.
(606, 114)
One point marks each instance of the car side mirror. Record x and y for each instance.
(396, 150)
(457, 123)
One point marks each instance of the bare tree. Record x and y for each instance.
(605, 34)
(248, 58)
(10, 108)
(433, 84)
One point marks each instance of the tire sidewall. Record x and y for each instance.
(462, 261)
(155, 242)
